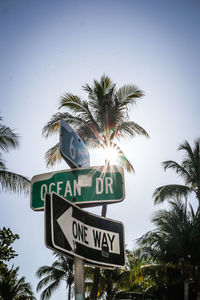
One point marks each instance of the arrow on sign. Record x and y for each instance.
(92, 237)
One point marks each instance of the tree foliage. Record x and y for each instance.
(52, 276)
(100, 120)
(10, 181)
(188, 170)
(173, 246)
(6, 250)
(14, 288)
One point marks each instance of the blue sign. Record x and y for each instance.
(72, 148)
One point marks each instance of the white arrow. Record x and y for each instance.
(92, 237)
(65, 222)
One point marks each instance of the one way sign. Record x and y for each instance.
(79, 233)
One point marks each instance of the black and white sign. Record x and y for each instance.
(88, 236)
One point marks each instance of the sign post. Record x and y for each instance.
(76, 155)
(79, 278)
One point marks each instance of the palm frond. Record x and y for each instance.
(53, 125)
(122, 159)
(73, 103)
(81, 112)
(106, 82)
(166, 220)
(8, 139)
(102, 87)
(48, 279)
(127, 94)
(60, 270)
(43, 271)
(128, 129)
(13, 288)
(2, 164)
(46, 294)
(186, 147)
(14, 182)
(53, 155)
(23, 289)
(125, 163)
(180, 170)
(91, 137)
(87, 88)
(196, 164)
(196, 150)
(171, 191)
(100, 93)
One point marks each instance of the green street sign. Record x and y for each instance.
(84, 186)
(72, 148)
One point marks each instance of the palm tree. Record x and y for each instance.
(12, 288)
(161, 280)
(174, 241)
(100, 120)
(110, 279)
(188, 170)
(112, 282)
(132, 279)
(10, 181)
(109, 283)
(61, 269)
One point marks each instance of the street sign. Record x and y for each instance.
(72, 148)
(84, 186)
(79, 233)
(48, 233)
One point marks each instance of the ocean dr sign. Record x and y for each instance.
(84, 186)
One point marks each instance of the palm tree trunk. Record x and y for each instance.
(186, 290)
(198, 295)
(69, 291)
(95, 284)
(109, 285)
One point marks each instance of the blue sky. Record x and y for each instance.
(51, 47)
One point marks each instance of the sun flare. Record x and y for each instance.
(110, 154)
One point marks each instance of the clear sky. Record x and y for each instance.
(51, 47)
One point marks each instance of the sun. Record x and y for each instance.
(110, 154)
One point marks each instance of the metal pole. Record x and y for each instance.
(97, 270)
(79, 271)
(79, 278)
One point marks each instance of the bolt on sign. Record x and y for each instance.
(83, 186)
